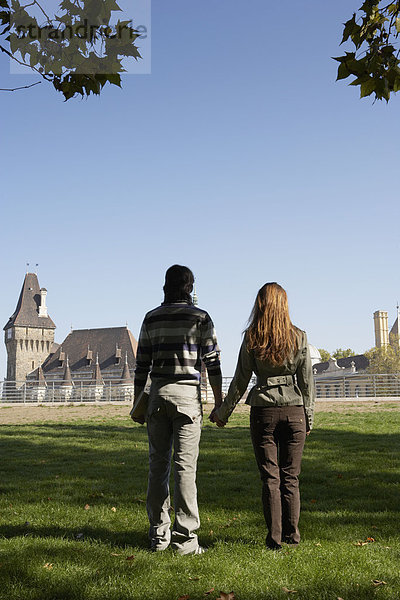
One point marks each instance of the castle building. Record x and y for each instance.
(89, 359)
(29, 332)
(348, 377)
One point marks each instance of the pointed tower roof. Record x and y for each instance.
(126, 374)
(40, 377)
(96, 377)
(67, 378)
(396, 325)
(27, 312)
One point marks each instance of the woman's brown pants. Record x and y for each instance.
(278, 434)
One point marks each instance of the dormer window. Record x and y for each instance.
(118, 355)
(89, 357)
(61, 359)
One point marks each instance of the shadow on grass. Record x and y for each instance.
(122, 539)
(346, 473)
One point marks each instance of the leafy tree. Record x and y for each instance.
(373, 32)
(384, 360)
(325, 356)
(340, 353)
(77, 50)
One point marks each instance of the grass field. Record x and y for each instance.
(73, 521)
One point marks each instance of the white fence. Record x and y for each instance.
(62, 391)
(346, 386)
(358, 386)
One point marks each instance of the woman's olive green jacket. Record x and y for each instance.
(291, 383)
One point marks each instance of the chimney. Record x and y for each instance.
(43, 307)
(381, 328)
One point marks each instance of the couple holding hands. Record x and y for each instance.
(174, 340)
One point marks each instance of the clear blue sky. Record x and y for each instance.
(238, 155)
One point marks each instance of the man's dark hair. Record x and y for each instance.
(178, 284)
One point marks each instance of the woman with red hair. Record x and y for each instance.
(282, 407)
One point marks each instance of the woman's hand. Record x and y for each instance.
(214, 419)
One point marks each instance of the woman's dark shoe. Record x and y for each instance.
(271, 544)
(289, 540)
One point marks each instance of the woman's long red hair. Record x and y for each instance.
(271, 334)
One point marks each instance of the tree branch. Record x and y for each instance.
(23, 87)
(23, 63)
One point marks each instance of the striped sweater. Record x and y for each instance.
(173, 340)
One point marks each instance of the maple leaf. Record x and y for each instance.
(131, 557)
(376, 582)
(86, 507)
(369, 540)
(225, 596)
(194, 578)
(48, 566)
(285, 589)
(210, 591)
(114, 509)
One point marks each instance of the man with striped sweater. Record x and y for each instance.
(174, 340)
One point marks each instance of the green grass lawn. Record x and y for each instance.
(73, 521)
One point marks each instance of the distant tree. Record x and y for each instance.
(374, 34)
(77, 50)
(340, 353)
(384, 360)
(325, 356)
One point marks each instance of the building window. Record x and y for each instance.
(9, 334)
(33, 365)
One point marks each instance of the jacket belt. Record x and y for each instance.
(274, 381)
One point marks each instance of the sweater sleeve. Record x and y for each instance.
(143, 359)
(209, 349)
(239, 383)
(305, 381)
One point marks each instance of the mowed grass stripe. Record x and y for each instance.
(72, 512)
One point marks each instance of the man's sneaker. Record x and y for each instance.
(200, 550)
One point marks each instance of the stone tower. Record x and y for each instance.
(381, 328)
(29, 332)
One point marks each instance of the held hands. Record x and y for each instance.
(214, 419)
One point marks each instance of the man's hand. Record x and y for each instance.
(214, 419)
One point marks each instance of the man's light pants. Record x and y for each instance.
(169, 428)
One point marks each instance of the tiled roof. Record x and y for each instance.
(361, 363)
(103, 342)
(27, 312)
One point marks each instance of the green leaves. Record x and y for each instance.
(373, 31)
(78, 51)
